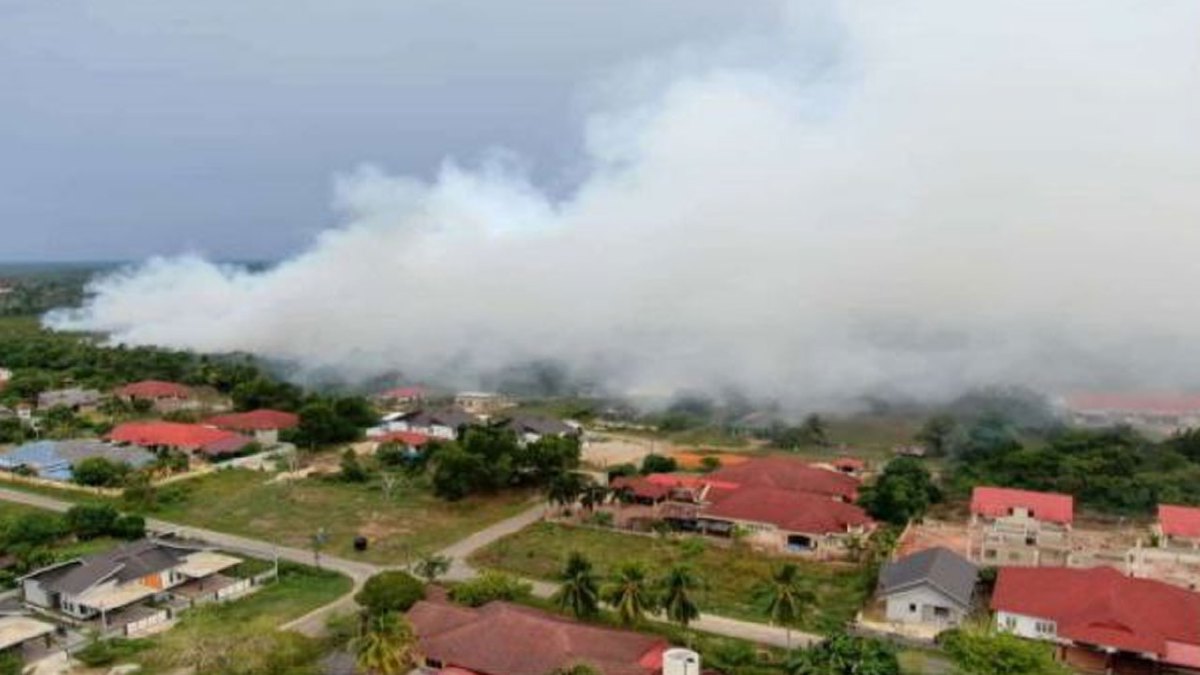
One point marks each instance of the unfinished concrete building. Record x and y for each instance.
(1020, 527)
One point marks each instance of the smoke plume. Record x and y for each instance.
(886, 196)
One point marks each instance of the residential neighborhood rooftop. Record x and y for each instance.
(1179, 521)
(151, 389)
(948, 571)
(788, 510)
(997, 502)
(54, 459)
(192, 437)
(262, 419)
(788, 474)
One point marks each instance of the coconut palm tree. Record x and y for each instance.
(579, 591)
(677, 587)
(784, 597)
(386, 646)
(629, 593)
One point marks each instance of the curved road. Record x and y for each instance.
(313, 623)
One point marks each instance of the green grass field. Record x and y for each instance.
(412, 521)
(731, 576)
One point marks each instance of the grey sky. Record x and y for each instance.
(131, 127)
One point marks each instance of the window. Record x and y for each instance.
(1044, 627)
(912, 608)
(1010, 622)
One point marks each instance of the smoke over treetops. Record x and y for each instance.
(891, 196)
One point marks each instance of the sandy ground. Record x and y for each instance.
(605, 450)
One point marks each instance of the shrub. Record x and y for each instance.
(710, 463)
(488, 587)
(99, 472)
(100, 653)
(88, 521)
(658, 464)
(601, 519)
(352, 470)
(392, 591)
(129, 527)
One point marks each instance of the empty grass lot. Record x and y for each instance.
(412, 521)
(539, 551)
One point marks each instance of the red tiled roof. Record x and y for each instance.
(155, 389)
(504, 639)
(1102, 607)
(788, 474)
(788, 510)
(1155, 403)
(1179, 521)
(403, 437)
(402, 393)
(996, 502)
(178, 435)
(641, 486)
(255, 420)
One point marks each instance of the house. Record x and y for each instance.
(1160, 412)
(506, 639)
(412, 442)
(54, 460)
(1101, 620)
(482, 403)
(24, 412)
(163, 396)
(16, 631)
(263, 424)
(933, 587)
(532, 429)
(76, 399)
(788, 474)
(1178, 526)
(787, 521)
(400, 397)
(440, 424)
(127, 587)
(1020, 527)
(7, 413)
(192, 439)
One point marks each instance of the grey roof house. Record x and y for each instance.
(74, 398)
(933, 587)
(530, 429)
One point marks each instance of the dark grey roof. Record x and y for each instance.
(125, 562)
(942, 568)
(451, 417)
(69, 397)
(544, 426)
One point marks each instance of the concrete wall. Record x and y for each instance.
(1025, 626)
(917, 605)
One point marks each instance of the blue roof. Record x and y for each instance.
(54, 459)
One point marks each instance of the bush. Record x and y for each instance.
(710, 463)
(34, 529)
(352, 469)
(601, 519)
(129, 527)
(99, 472)
(99, 653)
(626, 469)
(658, 464)
(392, 591)
(488, 587)
(89, 521)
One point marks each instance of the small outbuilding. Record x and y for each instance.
(934, 587)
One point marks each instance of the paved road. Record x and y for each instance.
(313, 623)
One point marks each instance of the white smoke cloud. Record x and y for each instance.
(925, 196)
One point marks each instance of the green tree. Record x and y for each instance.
(99, 472)
(431, 566)
(390, 591)
(658, 464)
(676, 591)
(842, 654)
(784, 597)
(903, 492)
(814, 429)
(387, 646)
(352, 470)
(936, 435)
(989, 652)
(88, 521)
(458, 473)
(565, 489)
(629, 593)
(579, 591)
(489, 587)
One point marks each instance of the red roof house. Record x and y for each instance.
(179, 436)
(1179, 521)
(996, 502)
(1101, 608)
(504, 639)
(255, 420)
(153, 390)
(788, 474)
(410, 439)
(788, 510)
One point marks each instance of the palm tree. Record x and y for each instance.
(564, 489)
(785, 598)
(676, 595)
(431, 566)
(578, 592)
(593, 496)
(386, 647)
(629, 593)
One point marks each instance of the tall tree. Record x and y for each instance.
(936, 434)
(784, 598)
(629, 593)
(387, 646)
(676, 594)
(579, 591)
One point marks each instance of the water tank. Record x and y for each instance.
(681, 662)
